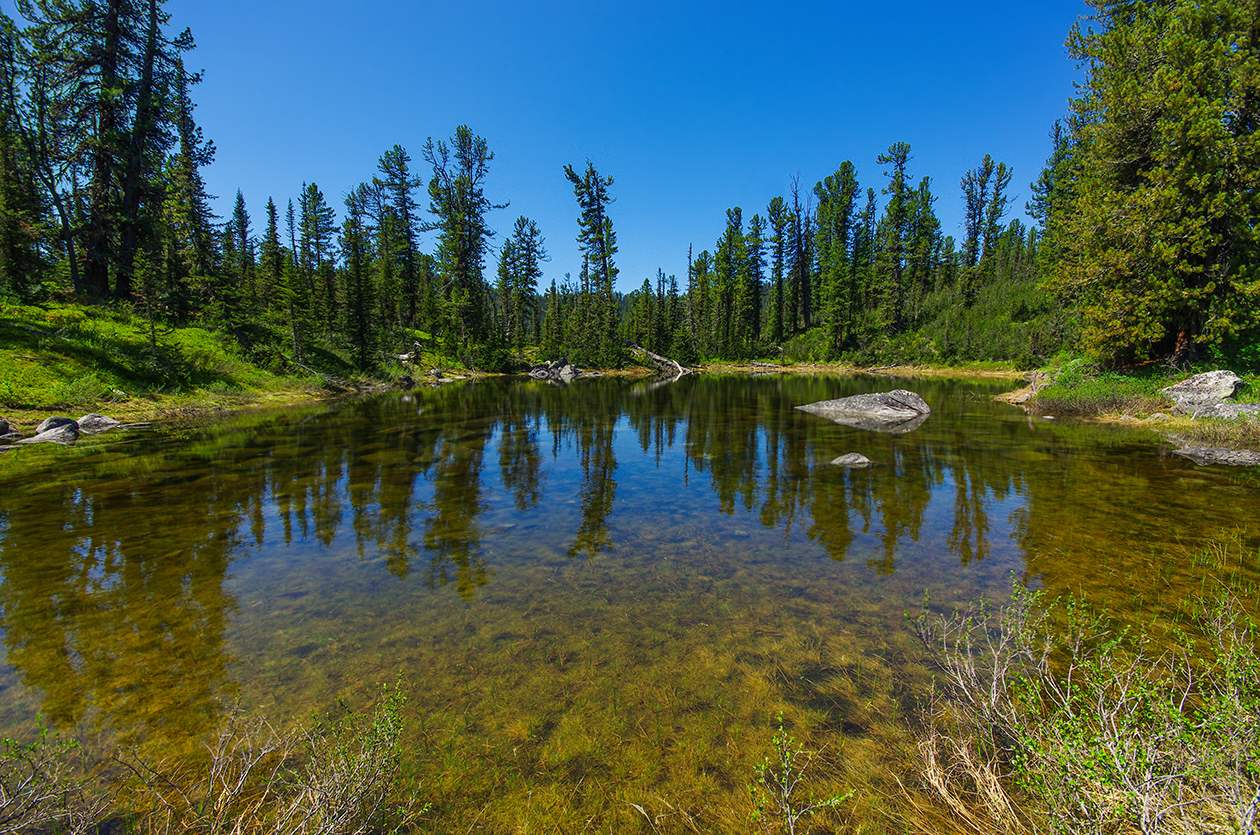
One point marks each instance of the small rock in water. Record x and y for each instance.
(855, 460)
(62, 433)
(49, 423)
(95, 424)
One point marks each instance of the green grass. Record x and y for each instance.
(1081, 389)
(79, 357)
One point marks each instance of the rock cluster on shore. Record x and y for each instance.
(61, 430)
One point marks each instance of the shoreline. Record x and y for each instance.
(196, 406)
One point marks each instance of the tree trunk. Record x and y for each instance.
(97, 245)
(142, 130)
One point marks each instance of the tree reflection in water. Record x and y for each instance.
(117, 555)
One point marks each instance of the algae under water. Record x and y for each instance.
(598, 599)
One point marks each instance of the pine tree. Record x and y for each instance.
(239, 281)
(1160, 242)
(187, 214)
(317, 227)
(729, 258)
(297, 292)
(897, 219)
(23, 262)
(103, 76)
(358, 303)
(776, 214)
(520, 269)
(270, 258)
(749, 292)
(458, 201)
(399, 185)
(598, 243)
(923, 249)
(837, 202)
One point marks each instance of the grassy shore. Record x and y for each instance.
(1077, 389)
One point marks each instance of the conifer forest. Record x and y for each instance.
(1145, 247)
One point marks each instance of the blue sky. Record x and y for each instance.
(692, 107)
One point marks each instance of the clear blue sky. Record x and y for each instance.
(692, 107)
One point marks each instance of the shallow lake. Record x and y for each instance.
(598, 599)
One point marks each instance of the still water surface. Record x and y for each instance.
(593, 596)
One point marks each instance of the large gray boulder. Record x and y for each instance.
(61, 433)
(895, 412)
(1228, 411)
(1202, 390)
(1205, 456)
(94, 424)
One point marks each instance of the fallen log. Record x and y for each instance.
(663, 362)
(334, 384)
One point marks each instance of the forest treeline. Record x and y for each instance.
(1145, 246)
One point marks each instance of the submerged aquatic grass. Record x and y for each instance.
(601, 598)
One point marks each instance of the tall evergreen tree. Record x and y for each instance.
(399, 185)
(187, 214)
(729, 258)
(23, 260)
(271, 257)
(240, 277)
(837, 204)
(776, 215)
(520, 270)
(751, 280)
(358, 303)
(598, 243)
(317, 227)
(1160, 244)
(897, 217)
(458, 201)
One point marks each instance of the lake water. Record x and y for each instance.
(595, 598)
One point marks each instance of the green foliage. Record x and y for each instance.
(77, 355)
(1083, 726)
(811, 346)
(38, 786)
(1081, 387)
(779, 802)
(1158, 238)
